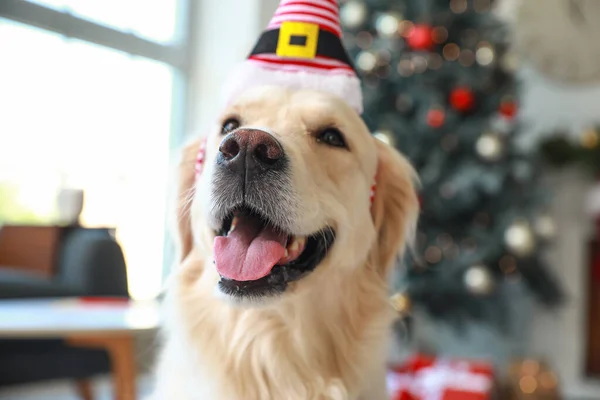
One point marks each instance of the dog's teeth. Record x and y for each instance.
(294, 245)
(233, 225)
(301, 242)
(286, 254)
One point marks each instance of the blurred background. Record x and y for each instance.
(496, 103)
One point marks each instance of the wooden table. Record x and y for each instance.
(87, 323)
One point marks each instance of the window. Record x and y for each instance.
(79, 112)
(155, 20)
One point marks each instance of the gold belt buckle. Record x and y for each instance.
(298, 40)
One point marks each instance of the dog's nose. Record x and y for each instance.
(251, 151)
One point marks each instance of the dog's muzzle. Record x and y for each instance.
(256, 250)
(252, 170)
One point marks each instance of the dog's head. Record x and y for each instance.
(285, 193)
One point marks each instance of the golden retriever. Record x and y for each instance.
(282, 289)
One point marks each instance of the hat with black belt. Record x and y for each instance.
(301, 48)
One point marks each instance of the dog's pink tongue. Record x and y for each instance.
(250, 251)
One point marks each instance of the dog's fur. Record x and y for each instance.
(326, 337)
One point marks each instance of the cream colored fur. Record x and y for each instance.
(327, 336)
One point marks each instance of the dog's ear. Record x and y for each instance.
(395, 206)
(185, 192)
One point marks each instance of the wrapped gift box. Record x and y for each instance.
(425, 377)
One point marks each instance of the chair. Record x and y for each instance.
(86, 262)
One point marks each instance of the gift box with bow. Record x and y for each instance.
(425, 377)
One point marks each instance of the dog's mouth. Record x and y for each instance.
(255, 257)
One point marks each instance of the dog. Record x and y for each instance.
(282, 287)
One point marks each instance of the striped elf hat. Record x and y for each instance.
(301, 48)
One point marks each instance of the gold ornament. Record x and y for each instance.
(433, 254)
(387, 24)
(353, 14)
(490, 147)
(458, 6)
(545, 227)
(439, 34)
(364, 40)
(532, 379)
(405, 28)
(520, 239)
(420, 63)
(484, 54)
(401, 303)
(466, 58)
(385, 136)
(366, 61)
(451, 51)
(406, 67)
(508, 264)
(479, 280)
(528, 384)
(590, 139)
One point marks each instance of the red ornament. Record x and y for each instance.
(436, 118)
(462, 99)
(420, 37)
(508, 109)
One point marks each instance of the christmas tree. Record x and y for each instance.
(439, 85)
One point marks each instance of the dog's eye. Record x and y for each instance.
(230, 125)
(332, 137)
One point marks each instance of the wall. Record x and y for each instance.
(226, 32)
(548, 106)
(560, 337)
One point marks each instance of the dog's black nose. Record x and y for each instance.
(251, 151)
